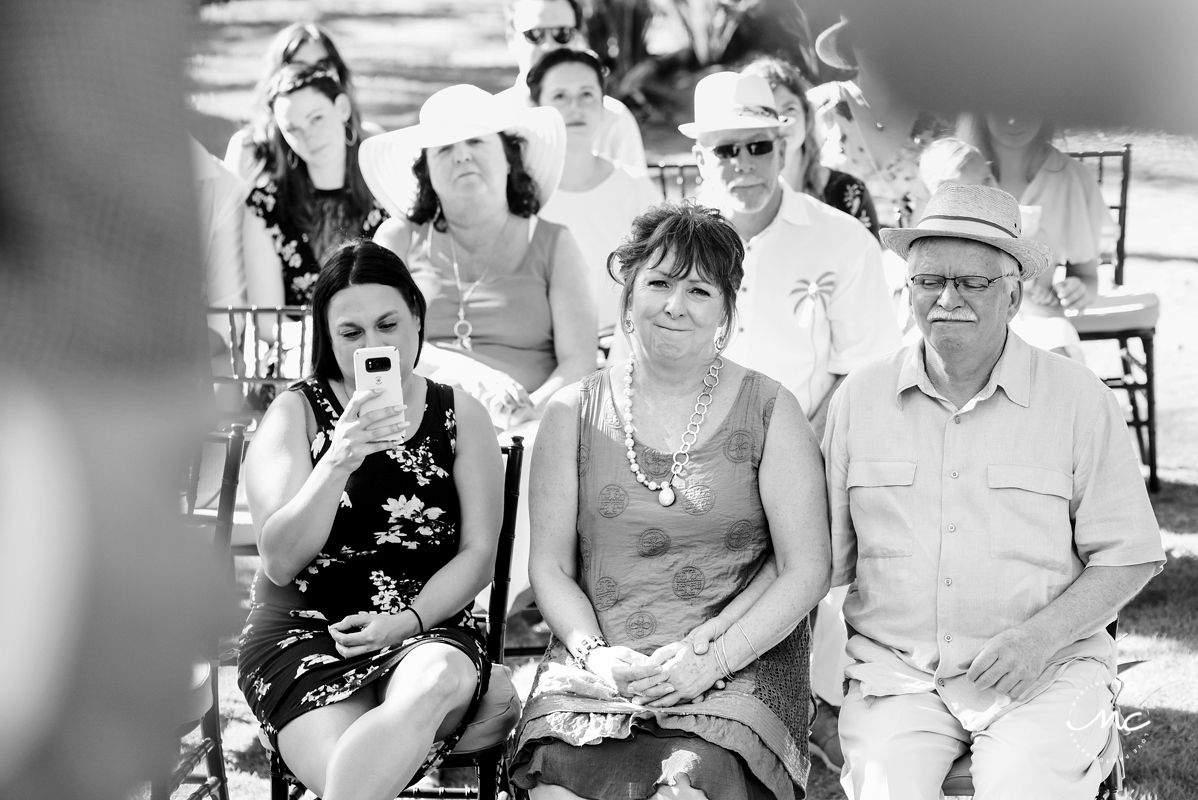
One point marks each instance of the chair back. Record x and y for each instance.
(1112, 170)
(676, 180)
(501, 583)
(266, 348)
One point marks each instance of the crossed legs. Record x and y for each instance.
(369, 745)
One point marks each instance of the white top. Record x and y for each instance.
(600, 219)
(618, 138)
(1073, 213)
(220, 195)
(813, 304)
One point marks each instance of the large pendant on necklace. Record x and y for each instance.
(666, 496)
(462, 329)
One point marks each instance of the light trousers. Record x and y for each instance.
(901, 747)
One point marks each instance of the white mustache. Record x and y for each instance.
(936, 315)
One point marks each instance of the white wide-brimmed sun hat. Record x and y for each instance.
(454, 114)
(834, 46)
(730, 101)
(979, 213)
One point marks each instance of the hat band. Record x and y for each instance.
(971, 223)
(755, 111)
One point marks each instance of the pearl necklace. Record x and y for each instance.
(689, 436)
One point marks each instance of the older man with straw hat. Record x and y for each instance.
(989, 515)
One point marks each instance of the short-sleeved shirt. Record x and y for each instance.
(813, 303)
(957, 524)
(1073, 214)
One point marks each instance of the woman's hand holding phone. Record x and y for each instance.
(360, 433)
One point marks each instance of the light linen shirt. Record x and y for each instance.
(813, 303)
(957, 524)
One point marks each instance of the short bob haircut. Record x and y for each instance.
(564, 55)
(357, 263)
(521, 188)
(700, 239)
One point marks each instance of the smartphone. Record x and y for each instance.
(378, 368)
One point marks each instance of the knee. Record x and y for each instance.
(440, 676)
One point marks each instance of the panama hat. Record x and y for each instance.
(834, 46)
(979, 213)
(454, 114)
(729, 101)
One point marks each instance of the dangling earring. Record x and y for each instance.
(627, 325)
(351, 135)
(721, 340)
(292, 161)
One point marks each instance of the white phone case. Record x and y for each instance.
(378, 368)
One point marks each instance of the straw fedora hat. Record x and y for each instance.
(454, 114)
(834, 46)
(729, 101)
(979, 213)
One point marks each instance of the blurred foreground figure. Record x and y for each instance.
(99, 312)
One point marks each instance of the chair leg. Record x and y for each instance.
(1133, 386)
(210, 727)
(489, 765)
(1150, 383)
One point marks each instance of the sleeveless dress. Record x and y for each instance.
(301, 251)
(652, 574)
(397, 524)
(513, 323)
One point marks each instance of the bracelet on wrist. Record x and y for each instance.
(586, 647)
(415, 614)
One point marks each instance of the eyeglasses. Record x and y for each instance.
(730, 151)
(561, 35)
(934, 284)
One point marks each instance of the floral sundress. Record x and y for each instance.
(301, 251)
(396, 526)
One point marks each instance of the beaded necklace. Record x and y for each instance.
(682, 456)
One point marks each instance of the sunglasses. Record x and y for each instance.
(561, 35)
(730, 151)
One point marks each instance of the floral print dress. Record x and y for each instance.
(301, 251)
(396, 526)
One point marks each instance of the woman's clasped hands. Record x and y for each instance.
(678, 672)
(360, 433)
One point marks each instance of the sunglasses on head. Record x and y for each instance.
(561, 35)
(730, 151)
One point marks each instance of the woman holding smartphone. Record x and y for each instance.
(359, 653)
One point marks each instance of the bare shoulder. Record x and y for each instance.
(394, 234)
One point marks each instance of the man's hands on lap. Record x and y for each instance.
(1011, 662)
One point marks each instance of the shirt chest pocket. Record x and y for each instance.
(881, 500)
(1029, 515)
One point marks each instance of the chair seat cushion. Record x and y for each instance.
(959, 781)
(199, 692)
(1116, 311)
(497, 714)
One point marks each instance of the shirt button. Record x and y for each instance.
(954, 474)
(957, 419)
(952, 527)
(948, 581)
(948, 637)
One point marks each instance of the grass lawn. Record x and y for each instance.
(402, 56)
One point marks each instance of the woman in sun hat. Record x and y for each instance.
(510, 313)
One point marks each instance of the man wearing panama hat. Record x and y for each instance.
(813, 304)
(988, 510)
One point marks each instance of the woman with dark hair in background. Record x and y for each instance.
(802, 169)
(360, 652)
(303, 43)
(309, 196)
